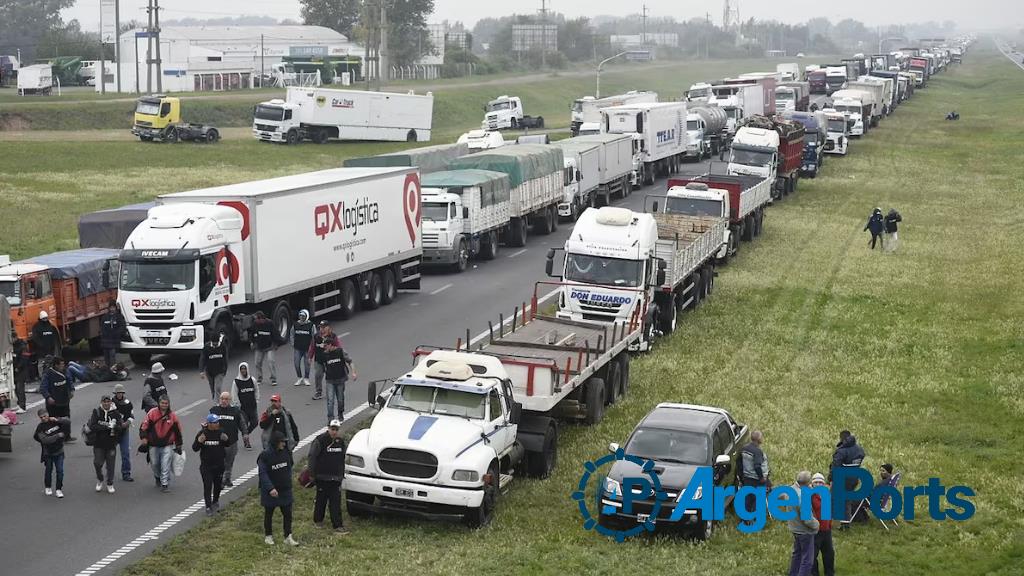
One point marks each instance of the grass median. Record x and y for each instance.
(809, 332)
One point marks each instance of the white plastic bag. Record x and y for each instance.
(178, 464)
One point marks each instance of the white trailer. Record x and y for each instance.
(738, 101)
(586, 112)
(659, 134)
(320, 114)
(582, 176)
(35, 79)
(536, 173)
(465, 213)
(881, 92)
(208, 260)
(615, 164)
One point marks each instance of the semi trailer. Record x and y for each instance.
(741, 200)
(586, 111)
(659, 135)
(615, 165)
(465, 215)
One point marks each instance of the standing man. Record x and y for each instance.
(57, 390)
(876, 224)
(45, 341)
(753, 467)
(823, 539)
(51, 432)
(302, 336)
(161, 433)
(848, 454)
(211, 442)
(155, 387)
(277, 419)
(22, 367)
(127, 410)
(261, 334)
(316, 351)
(275, 467)
(337, 367)
(231, 419)
(213, 364)
(803, 531)
(246, 393)
(112, 325)
(892, 227)
(106, 427)
(327, 467)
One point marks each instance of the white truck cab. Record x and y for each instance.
(275, 119)
(838, 135)
(699, 92)
(697, 145)
(503, 112)
(697, 199)
(482, 140)
(754, 152)
(853, 108)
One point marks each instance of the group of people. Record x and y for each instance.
(885, 227)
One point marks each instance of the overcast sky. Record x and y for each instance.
(971, 14)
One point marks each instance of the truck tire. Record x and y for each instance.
(540, 122)
(517, 232)
(462, 258)
(612, 382)
(707, 281)
(482, 516)
(347, 298)
(375, 292)
(212, 136)
(146, 138)
(389, 288)
(554, 219)
(595, 397)
(514, 123)
(282, 319)
(623, 359)
(748, 228)
(648, 175)
(542, 224)
(141, 359)
(489, 246)
(668, 316)
(710, 271)
(320, 136)
(541, 464)
(172, 135)
(354, 498)
(758, 219)
(291, 138)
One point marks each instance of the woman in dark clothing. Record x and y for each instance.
(275, 467)
(876, 224)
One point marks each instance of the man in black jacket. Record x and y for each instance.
(327, 468)
(127, 410)
(213, 364)
(302, 335)
(155, 387)
(848, 454)
(22, 363)
(231, 420)
(753, 467)
(45, 341)
(112, 325)
(338, 370)
(211, 442)
(261, 335)
(51, 433)
(105, 426)
(892, 227)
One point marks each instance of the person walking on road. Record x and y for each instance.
(277, 419)
(876, 224)
(211, 443)
(803, 531)
(213, 364)
(302, 336)
(105, 426)
(848, 454)
(246, 395)
(823, 539)
(57, 391)
(51, 433)
(112, 326)
(161, 436)
(753, 469)
(127, 410)
(46, 341)
(317, 349)
(327, 468)
(155, 388)
(337, 369)
(22, 368)
(275, 468)
(892, 227)
(262, 335)
(232, 421)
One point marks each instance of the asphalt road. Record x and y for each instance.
(89, 532)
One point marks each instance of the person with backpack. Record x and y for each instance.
(275, 470)
(246, 394)
(211, 443)
(327, 469)
(892, 227)
(104, 428)
(337, 368)
(127, 410)
(213, 364)
(302, 336)
(231, 420)
(154, 387)
(162, 438)
(51, 433)
(262, 336)
(848, 454)
(276, 418)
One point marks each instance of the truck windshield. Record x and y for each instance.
(698, 93)
(147, 107)
(493, 106)
(11, 290)
(692, 206)
(436, 212)
(733, 113)
(750, 157)
(431, 400)
(848, 109)
(577, 106)
(836, 125)
(787, 96)
(589, 269)
(692, 125)
(669, 446)
(157, 276)
(269, 113)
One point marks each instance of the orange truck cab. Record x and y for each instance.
(74, 288)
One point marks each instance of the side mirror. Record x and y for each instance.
(465, 212)
(613, 447)
(372, 398)
(661, 272)
(722, 460)
(106, 274)
(516, 416)
(579, 175)
(655, 208)
(549, 263)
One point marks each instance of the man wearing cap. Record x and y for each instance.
(106, 426)
(277, 419)
(51, 433)
(232, 419)
(45, 340)
(155, 387)
(823, 539)
(127, 410)
(327, 468)
(275, 469)
(317, 348)
(211, 442)
(337, 369)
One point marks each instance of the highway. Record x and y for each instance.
(88, 532)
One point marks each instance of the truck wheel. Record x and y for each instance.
(514, 123)
(477, 517)
(212, 136)
(748, 228)
(141, 359)
(707, 281)
(320, 136)
(463, 257)
(542, 225)
(623, 359)
(291, 138)
(389, 289)
(282, 319)
(489, 251)
(375, 292)
(648, 175)
(541, 464)
(348, 299)
(595, 397)
(668, 316)
(612, 382)
(554, 219)
(760, 221)
(172, 135)
(517, 232)
(146, 138)
(710, 271)
(540, 122)
(353, 499)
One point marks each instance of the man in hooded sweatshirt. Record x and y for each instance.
(231, 421)
(876, 224)
(276, 418)
(106, 425)
(246, 394)
(45, 340)
(262, 338)
(213, 364)
(155, 388)
(275, 468)
(892, 228)
(848, 454)
(211, 442)
(302, 336)
(51, 432)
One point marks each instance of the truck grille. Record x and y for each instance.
(429, 238)
(157, 340)
(830, 145)
(408, 463)
(144, 314)
(266, 128)
(601, 308)
(143, 123)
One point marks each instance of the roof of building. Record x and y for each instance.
(243, 33)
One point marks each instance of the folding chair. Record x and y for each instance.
(893, 482)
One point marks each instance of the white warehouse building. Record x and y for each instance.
(216, 58)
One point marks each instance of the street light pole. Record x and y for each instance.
(601, 65)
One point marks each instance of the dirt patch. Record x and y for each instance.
(14, 121)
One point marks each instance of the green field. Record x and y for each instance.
(809, 332)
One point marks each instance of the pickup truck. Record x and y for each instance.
(678, 438)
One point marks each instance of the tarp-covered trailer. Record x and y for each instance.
(111, 228)
(427, 158)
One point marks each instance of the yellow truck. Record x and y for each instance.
(158, 119)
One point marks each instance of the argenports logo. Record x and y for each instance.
(342, 216)
(152, 303)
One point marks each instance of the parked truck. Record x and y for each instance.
(206, 261)
(739, 199)
(817, 82)
(665, 259)
(586, 111)
(881, 94)
(815, 135)
(158, 119)
(427, 158)
(582, 176)
(536, 174)
(615, 165)
(771, 148)
(465, 215)
(792, 96)
(698, 93)
(706, 131)
(739, 101)
(451, 434)
(35, 79)
(838, 135)
(767, 81)
(74, 288)
(789, 72)
(835, 79)
(859, 105)
(322, 114)
(659, 135)
(507, 112)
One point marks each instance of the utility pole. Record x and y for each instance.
(101, 79)
(159, 62)
(149, 48)
(263, 69)
(117, 42)
(543, 34)
(382, 54)
(643, 19)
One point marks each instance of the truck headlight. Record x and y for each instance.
(465, 476)
(612, 487)
(187, 335)
(354, 461)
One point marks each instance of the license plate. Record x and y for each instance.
(643, 518)
(153, 333)
(404, 492)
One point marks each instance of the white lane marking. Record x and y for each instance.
(441, 289)
(517, 253)
(187, 409)
(81, 386)
(155, 533)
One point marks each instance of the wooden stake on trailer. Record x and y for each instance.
(490, 332)
(515, 318)
(524, 313)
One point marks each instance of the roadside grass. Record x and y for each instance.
(809, 332)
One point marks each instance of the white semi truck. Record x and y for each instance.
(858, 105)
(706, 131)
(738, 101)
(586, 111)
(206, 261)
(881, 93)
(536, 174)
(835, 79)
(666, 260)
(451, 434)
(35, 79)
(582, 176)
(322, 114)
(507, 112)
(838, 136)
(659, 135)
(465, 214)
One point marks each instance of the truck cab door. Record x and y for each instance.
(37, 290)
(499, 424)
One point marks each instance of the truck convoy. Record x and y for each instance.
(158, 118)
(706, 130)
(615, 164)
(322, 114)
(659, 136)
(465, 214)
(205, 261)
(771, 148)
(741, 200)
(586, 111)
(507, 112)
